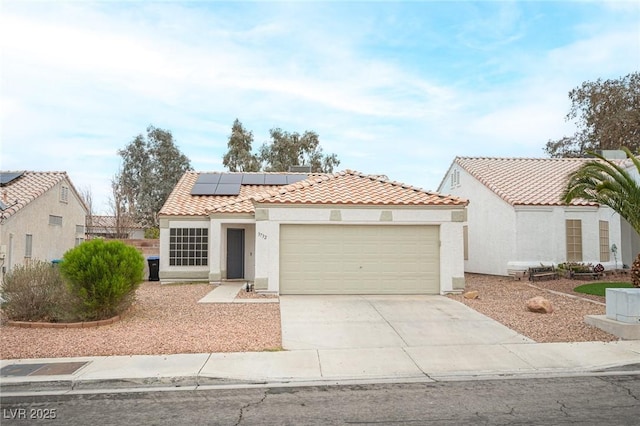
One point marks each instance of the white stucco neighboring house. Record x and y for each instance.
(293, 233)
(516, 218)
(41, 217)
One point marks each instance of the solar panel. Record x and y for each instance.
(275, 179)
(253, 179)
(227, 189)
(231, 178)
(203, 189)
(229, 183)
(295, 178)
(7, 177)
(208, 178)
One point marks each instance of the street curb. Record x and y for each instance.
(64, 387)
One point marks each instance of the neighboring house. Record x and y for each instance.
(112, 227)
(41, 217)
(516, 218)
(292, 233)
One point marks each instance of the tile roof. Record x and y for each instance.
(525, 181)
(16, 194)
(181, 203)
(99, 221)
(345, 187)
(350, 187)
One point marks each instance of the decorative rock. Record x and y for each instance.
(471, 294)
(540, 305)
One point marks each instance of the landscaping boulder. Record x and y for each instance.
(540, 305)
(471, 294)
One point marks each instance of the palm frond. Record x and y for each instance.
(605, 182)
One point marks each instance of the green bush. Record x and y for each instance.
(152, 233)
(103, 275)
(577, 267)
(36, 292)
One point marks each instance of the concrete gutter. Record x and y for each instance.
(325, 367)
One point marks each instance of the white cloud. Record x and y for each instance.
(80, 80)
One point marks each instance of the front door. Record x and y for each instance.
(235, 253)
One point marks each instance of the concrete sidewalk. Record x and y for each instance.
(315, 366)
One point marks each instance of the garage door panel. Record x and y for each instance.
(359, 259)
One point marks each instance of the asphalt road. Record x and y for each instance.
(604, 400)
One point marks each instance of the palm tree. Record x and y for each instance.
(605, 182)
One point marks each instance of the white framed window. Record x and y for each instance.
(79, 241)
(188, 246)
(28, 245)
(55, 220)
(64, 194)
(79, 229)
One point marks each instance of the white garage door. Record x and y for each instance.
(359, 259)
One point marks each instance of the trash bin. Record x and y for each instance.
(154, 268)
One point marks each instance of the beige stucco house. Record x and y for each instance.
(516, 218)
(41, 217)
(292, 233)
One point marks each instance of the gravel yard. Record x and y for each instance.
(503, 299)
(167, 319)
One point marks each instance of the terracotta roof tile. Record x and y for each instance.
(345, 187)
(350, 187)
(181, 203)
(100, 221)
(18, 193)
(525, 181)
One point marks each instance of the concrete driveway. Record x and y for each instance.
(342, 322)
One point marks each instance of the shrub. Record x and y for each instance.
(577, 267)
(103, 275)
(152, 233)
(36, 292)
(635, 272)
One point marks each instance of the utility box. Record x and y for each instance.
(623, 304)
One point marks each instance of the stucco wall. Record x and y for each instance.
(48, 241)
(267, 272)
(503, 237)
(491, 225)
(186, 273)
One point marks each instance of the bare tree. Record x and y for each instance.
(123, 217)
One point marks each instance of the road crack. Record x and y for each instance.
(616, 382)
(563, 408)
(251, 404)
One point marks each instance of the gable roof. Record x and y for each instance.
(103, 222)
(351, 187)
(525, 181)
(181, 203)
(346, 187)
(28, 186)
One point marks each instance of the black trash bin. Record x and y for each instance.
(154, 268)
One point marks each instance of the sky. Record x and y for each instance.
(398, 88)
